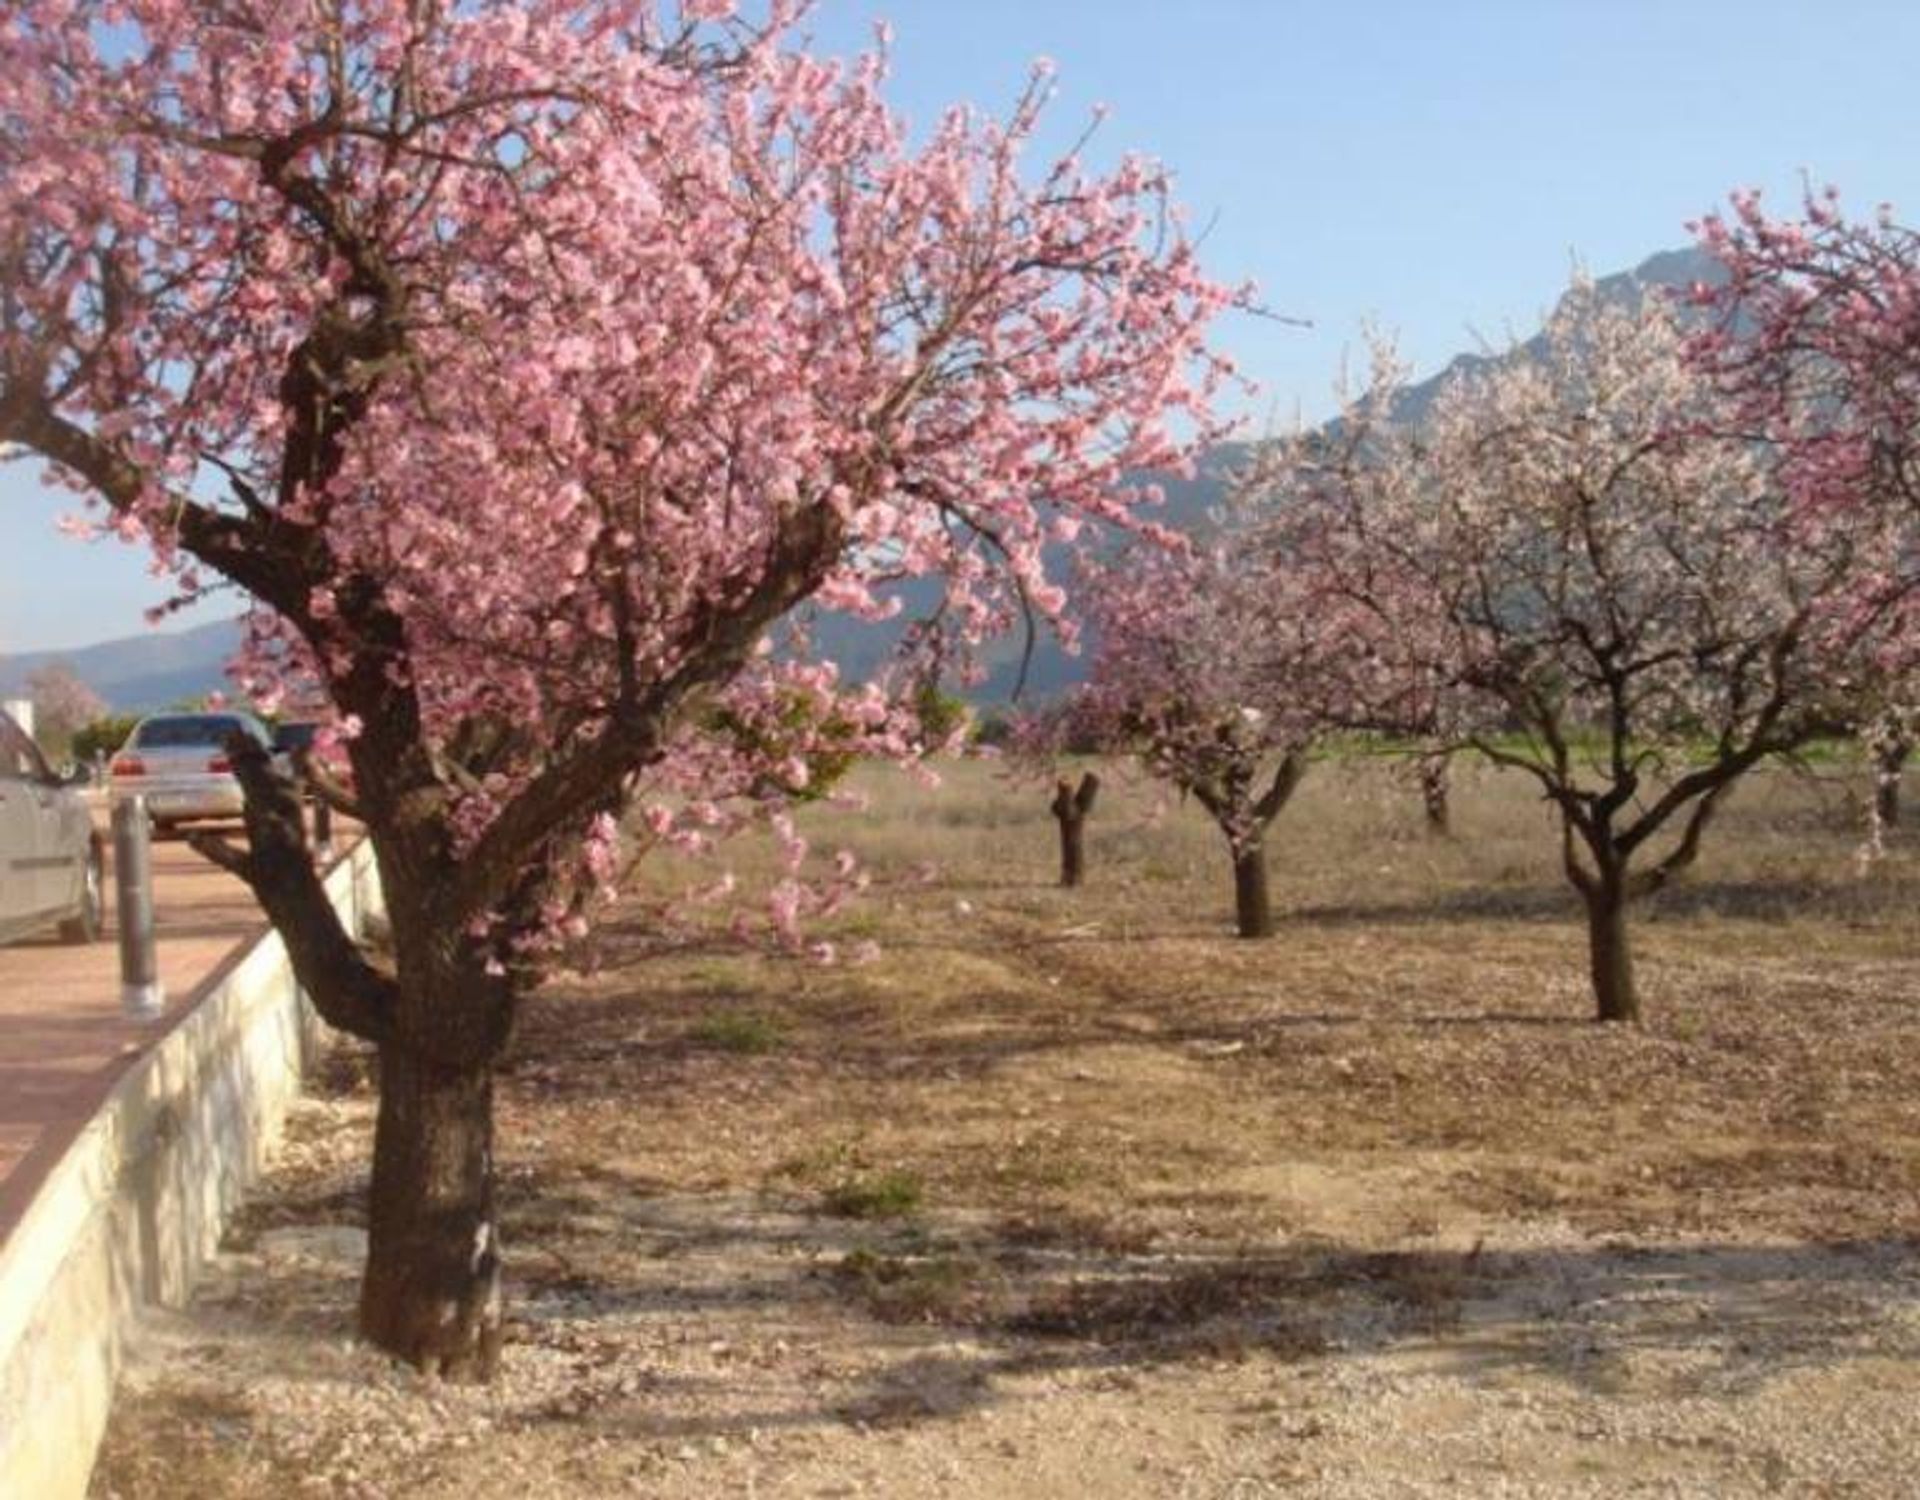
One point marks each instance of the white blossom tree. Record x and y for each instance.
(1607, 593)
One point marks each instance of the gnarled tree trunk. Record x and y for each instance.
(1245, 820)
(430, 1293)
(1070, 808)
(431, 1289)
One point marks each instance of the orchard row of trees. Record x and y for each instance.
(1630, 561)
(527, 364)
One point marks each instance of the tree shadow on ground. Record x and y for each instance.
(941, 1313)
(951, 1314)
(945, 1310)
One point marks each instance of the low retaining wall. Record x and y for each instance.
(131, 1212)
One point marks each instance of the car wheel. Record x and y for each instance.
(85, 925)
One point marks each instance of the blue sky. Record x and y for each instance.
(1434, 167)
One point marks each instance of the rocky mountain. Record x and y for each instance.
(1668, 270)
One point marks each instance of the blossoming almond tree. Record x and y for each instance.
(1815, 336)
(525, 363)
(1217, 667)
(1609, 595)
(1814, 333)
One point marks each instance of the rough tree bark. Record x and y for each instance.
(1606, 887)
(1252, 905)
(431, 1290)
(1610, 958)
(1070, 809)
(1610, 886)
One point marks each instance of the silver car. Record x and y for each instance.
(52, 865)
(179, 763)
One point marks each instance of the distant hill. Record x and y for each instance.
(151, 671)
(138, 673)
(861, 648)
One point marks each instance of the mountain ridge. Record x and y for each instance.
(138, 673)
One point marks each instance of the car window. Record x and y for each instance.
(185, 731)
(19, 757)
(296, 736)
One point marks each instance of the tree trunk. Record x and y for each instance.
(1070, 808)
(1435, 787)
(1073, 850)
(1611, 959)
(431, 1292)
(1252, 907)
(1889, 758)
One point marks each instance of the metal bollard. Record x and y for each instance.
(140, 993)
(322, 825)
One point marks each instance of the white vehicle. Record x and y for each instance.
(179, 763)
(52, 866)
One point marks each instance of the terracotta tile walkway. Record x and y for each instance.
(63, 1039)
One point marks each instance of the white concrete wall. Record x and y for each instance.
(130, 1214)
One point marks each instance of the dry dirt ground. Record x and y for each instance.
(1071, 1193)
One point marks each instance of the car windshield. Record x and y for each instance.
(295, 736)
(186, 730)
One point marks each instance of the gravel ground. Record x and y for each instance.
(1531, 1360)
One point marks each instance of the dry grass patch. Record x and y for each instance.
(1072, 1192)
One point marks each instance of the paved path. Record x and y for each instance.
(63, 1039)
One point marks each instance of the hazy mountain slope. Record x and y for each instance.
(861, 648)
(138, 672)
(1668, 269)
